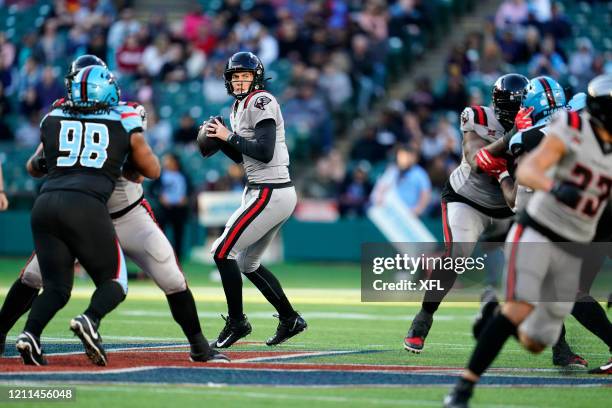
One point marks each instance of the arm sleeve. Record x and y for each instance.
(261, 147)
(231, 152)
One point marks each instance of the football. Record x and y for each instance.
(208, 145)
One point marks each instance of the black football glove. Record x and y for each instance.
(568, 193)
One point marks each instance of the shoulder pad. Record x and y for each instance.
(474, 115)
(259, 100)
(130, 118)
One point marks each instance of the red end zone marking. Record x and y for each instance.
(145, 360)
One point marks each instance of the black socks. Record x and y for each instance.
(271, 288)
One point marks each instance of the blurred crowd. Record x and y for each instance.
(523, 36)
(337, 53)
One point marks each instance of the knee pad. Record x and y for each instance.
(162, 266)
(157, 247)
(31, 275)
(246, 263)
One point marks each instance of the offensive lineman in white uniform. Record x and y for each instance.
(141, 240)
(257, 140)
(571, 171)
(472, 201)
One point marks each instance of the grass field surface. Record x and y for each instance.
(351, 355)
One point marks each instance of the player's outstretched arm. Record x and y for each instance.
(472, 143)
(37, 164)
(531, 172)
(143, 157)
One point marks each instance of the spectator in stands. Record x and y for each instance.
(122, 28)
(409, 180)
(558, 26)
(511, 12)
(7, 52)
(247, 28)
(455, 97)
(267, 47)
(29, 75)
(159, 132)
(581, 63)
(155, 55)
(444, 140)
(363, 71)
(174, 70)
(307, 110)
(531, 45)
(6, 134)
(233, 180)
(173, 190)
(30, 102)
(49, 88)
(319, 183)
(491, 63)
(548, 62)
(4, 203)
(355, 192)
(129, 55)
(510, 47)
(368, 148)
(28, 132)
(97, 44)
(53, 47)
(374, 21)
(193, 20)
(195, 61)
(214, 84)
(206, 39)
(187, 131)
(336, 84)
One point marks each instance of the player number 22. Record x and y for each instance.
(93, 153)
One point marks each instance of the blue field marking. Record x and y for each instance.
(61, 348)
(281, 377)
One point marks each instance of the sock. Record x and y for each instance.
(464, 388)
(591, 315)
(183, 308)
(271, 288)
(561, 341)
(232, 286)
(17, 302)
(433, 298)
(45, 306)
(490, 343)
(104, 300)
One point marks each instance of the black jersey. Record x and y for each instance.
(85, 152)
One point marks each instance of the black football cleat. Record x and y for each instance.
(234, 330)
(415, 339)
(2, 343)
(605, 369)
(564, 357)
(212, 356)
(460, 395)
(87, 331)
(29, 347)
(286, 329)
(489, 305)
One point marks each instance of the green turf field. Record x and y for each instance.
(328, 297)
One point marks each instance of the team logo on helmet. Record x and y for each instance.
(261, 102)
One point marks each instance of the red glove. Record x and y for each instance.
(487, 162)
(523, 118)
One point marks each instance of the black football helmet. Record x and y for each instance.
(508, 93)
(240, 62)
(77, 65)
(599, 101)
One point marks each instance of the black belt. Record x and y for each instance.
(259, 186)
(127, 209)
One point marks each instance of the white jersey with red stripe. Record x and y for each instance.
(245, 115)
(588, 164)
(475, 186)
(127, 192)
